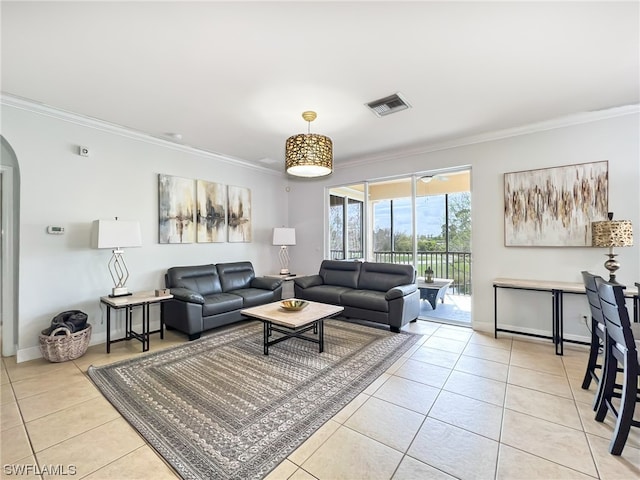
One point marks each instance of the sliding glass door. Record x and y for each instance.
(421, 220)
(346, 222)
(443, 212)
(390, 207)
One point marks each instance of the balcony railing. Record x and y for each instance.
(454, 265)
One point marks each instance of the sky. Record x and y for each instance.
(430, 211)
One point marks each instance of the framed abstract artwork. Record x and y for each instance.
(554, 207)
(239, 214)
(176, 209)
(211, 212)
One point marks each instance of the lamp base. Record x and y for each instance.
(120, 292)
(284, 260)
(612, 265)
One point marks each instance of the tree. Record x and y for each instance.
(382, 240)
(430, 244)
(402, 243)
(459, 222)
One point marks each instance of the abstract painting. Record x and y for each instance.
(176, 209)
(211, 217)
(239, 214)
(554, 207)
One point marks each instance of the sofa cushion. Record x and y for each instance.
(202, 279)
(235, 275)
(216, 303)
(366, 299)
(325, 294)
(254, 296)
(343, 274)
(384, 276)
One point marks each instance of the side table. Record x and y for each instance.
(287, 284)
(139, 299)
(434, 290)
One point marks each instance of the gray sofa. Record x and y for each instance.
(209, 296)
(378, 292)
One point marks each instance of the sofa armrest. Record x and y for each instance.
(400, 291)
(266, 283)
(308, 281)
(186, 295)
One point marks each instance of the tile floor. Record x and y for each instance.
(460, 404)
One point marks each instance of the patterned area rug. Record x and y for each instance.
(218, 408)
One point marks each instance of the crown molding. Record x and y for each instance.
(96, 124)
(561, 122)
(90, 122)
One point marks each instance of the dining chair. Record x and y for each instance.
(636, 303)
(594, 369)
(620, 349)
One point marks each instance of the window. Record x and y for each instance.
(346, 216)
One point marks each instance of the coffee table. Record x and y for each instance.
(434, 290)
(293, 323)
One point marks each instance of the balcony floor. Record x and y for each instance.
(455, 309)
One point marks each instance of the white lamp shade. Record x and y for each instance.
(116, 234)
(284, 236)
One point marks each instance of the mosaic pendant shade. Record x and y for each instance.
(309, 154)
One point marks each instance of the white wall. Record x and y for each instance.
(615, 139)
(120, 178)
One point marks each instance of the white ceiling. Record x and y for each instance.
(234, 77)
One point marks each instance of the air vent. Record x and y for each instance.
(388, 105)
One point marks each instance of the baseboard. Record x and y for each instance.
(536, 331)
(33, 353)
(26, 354)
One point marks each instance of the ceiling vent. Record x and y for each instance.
(388, 105)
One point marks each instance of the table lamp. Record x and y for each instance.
(612, 233)
(117, 234)
(283, 237)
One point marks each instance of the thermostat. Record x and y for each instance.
(55, 230)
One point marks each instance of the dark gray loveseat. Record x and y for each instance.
(209, 296)
(379, 292)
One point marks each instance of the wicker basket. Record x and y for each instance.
(60, 348)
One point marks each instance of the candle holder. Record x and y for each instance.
(428, 275)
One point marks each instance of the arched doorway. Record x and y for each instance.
(9, 246)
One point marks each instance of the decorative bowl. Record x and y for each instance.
(293, 305)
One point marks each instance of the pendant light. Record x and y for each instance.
(309, 154)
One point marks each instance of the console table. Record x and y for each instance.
(139, 299)
(557, 290)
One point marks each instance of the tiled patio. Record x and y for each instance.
(456, 309)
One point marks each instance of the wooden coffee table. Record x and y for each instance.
(293, 323)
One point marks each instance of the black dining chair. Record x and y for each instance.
(636, 304)
(594, 369)
(620, 349)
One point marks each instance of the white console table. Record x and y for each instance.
(557, 290)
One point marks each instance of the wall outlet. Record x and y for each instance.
(585, 318)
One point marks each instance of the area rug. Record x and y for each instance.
(218, 408)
